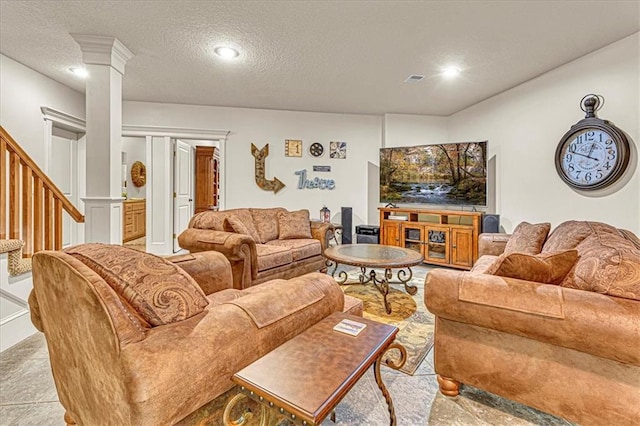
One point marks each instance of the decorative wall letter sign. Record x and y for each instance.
(274, 184)
(303, 182)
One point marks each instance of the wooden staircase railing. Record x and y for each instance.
(35, 204)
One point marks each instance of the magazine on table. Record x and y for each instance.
(349, 327)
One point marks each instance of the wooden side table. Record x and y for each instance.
(306, 377)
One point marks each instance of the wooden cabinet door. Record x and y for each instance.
(390, 234)
(139, 223)
(412, 237)
(436, 244)
(462, 247)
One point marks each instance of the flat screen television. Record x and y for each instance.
(441, 174)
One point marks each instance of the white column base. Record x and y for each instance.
(103, 220)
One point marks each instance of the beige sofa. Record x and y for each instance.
(571, 348)
(261, 244)
(134, 339)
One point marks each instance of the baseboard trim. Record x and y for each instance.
(15, 328)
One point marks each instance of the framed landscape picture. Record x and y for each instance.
(338, 150)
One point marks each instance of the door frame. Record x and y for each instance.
(60, 120)
(159, 177)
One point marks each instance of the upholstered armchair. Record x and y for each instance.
(135, 339)
(551, 322)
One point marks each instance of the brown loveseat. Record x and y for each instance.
(261, 244)
(571, 349)
(137, 340)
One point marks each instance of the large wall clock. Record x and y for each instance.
(594, 153)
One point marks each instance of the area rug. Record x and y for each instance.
(409, 314)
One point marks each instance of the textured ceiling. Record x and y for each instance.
(337, 56)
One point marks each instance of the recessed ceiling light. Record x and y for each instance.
(80, 72)
(226, 52)
(451, 72)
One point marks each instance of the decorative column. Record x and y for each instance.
(105, 58)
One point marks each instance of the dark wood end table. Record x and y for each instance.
(375, 256)
(306, 377)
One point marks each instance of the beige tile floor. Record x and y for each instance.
(28, 397)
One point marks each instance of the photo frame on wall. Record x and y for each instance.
(338, 150)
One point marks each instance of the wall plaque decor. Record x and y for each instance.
(321, 168)
(274, 184)
(138, 174)
(314, 183)
(316, 149)
(338, 150)
(292, 148)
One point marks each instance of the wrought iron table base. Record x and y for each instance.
(382, 284)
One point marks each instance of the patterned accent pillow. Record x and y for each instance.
(608, 264)
(294, 225)
(159, 291)
(208, 220)
(548, 268)
(266, 223)
(527, 238)
(235, 224)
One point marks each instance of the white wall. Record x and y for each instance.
(408, 130)
(524, 125)
(135, 149)
(363, 134)
(22, 92)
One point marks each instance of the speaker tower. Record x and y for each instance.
(347, 225)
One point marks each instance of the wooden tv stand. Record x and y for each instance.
(443, 237)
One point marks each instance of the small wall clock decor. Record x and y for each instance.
(316, 149)
(594, 153)
(293, 148)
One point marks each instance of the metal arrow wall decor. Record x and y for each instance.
(274, 184)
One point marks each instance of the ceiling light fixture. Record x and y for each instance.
(226, 52)
(80, 72)
(451, 72)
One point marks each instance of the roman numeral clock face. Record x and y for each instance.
(589, 158)
(594, 153)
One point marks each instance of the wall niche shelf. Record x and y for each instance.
(443, 237)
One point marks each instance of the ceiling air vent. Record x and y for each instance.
(414, 78)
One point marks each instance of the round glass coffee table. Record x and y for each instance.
(375, 256)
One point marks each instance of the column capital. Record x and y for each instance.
(103, 50)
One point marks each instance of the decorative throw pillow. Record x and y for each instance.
(548, 268)
(293, 225)
(235, 224)
(266, 223)
(159, 291)
(527, 238)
